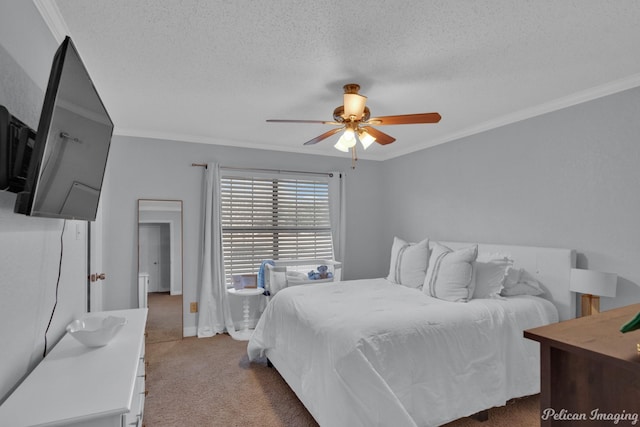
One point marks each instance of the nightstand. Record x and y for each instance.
(587, 365)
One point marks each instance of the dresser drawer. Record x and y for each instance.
(135, 416)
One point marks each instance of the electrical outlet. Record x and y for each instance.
(193, 307)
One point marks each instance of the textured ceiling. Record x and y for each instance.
(214, 71)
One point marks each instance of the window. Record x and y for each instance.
(265, 217)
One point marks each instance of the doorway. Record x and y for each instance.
(155, 255)
(160, 268)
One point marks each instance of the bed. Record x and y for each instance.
(374, 353)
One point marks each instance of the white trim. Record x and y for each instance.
(162, 207)
(555, 105)
(558, 104)
(199, 139)
(53, 18)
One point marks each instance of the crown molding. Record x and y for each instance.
(591, 94)
(53, 18)
(198, 139)
(549, 107)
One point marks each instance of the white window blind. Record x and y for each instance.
(273, 218)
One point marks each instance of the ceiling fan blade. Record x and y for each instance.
(303, 121)
(323, 136)
(405, 119)
(381, 137)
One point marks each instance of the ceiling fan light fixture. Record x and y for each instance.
(347, 140)
(354, 104)
(365, 138)
(340, 146)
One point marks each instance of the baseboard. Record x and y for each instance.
(190, 331)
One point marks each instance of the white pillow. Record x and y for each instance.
(518, 282)
(450, 275)
(490, 277)
(513, 276)
(408, 262)
(528, 287)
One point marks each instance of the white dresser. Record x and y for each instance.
(79, 386)
(143, 290)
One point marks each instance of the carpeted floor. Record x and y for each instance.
(164, 321)
(519, 412)
(210, 382)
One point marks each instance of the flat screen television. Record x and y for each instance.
(69, 156)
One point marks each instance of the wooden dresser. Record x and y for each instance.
(589, 370)
(89, 387)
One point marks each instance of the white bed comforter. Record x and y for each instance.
(371, 353)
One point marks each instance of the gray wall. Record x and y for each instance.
(30, 248)
(566, 179)
(160, 169)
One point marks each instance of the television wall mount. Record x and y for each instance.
(16, 144)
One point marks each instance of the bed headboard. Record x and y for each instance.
(549, 266)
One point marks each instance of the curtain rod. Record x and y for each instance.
(229, 168)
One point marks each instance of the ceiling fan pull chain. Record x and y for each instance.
(354, 157)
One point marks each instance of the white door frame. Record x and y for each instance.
(95, 263)
(172, 282)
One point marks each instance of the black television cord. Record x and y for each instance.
(64, 224)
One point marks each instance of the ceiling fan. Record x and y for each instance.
(355, 119)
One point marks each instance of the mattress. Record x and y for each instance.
(372, 353)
